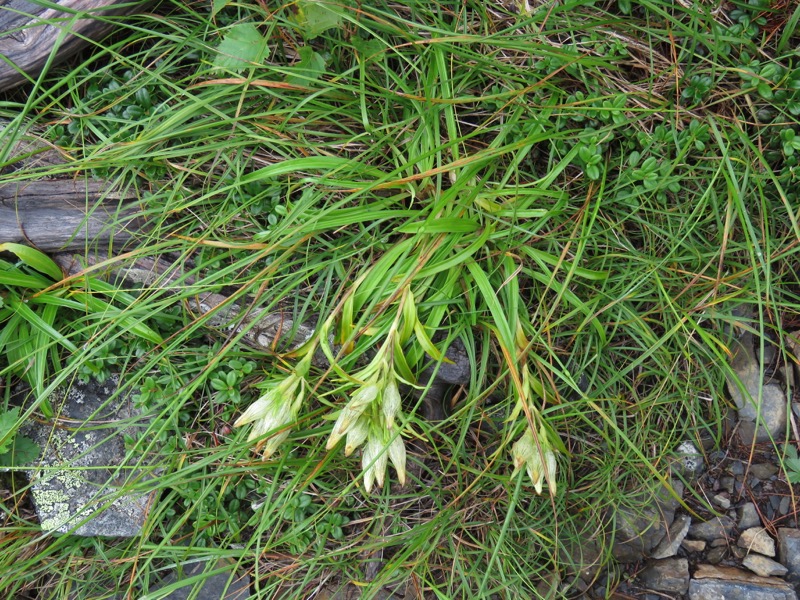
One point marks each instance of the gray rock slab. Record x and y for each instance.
(757, 539)
(726, 583)
(637, 531)
(761, 565)
(748, 516)
(77, 483)
(716, 528)
(666, 575)
(762, 407)
(639, 528)
(672, 540)
(789, 551)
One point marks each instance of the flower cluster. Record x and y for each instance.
(277, 409)
(534, 452)
(369, 416)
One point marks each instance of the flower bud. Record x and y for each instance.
(397, 454)
(373, 461)
(356, 435)
(390, 405)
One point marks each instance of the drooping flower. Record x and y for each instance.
(351, 412)
(373, 461)
(541, 466)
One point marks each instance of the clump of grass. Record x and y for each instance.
(578, 193)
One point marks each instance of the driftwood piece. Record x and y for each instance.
(64, 214)
(30, 32)
(60, 213)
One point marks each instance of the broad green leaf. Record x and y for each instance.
(427, 344)
(242, 47)
(34, 259)
(314, 17)
(309, 69)
(218, 5)
(24, 281)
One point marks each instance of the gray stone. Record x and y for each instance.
(715, 555)
(748, 516)
(766, 567)
(638, 531)
(762, 408)
(789, 551)
(716, 528)
(691, 462)
(763, 470)
(640, 527)
(783, 507)
(666, 575)
(757, 539)
(672, 540)
(725, 583)
(223, 584)
(77, 482)
(722, 501)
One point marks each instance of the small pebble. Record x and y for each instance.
(763, 470)
(727, 483)
(715, 555)
(783, 508)
(693, 545)
(722, 501)
(737, 468)
(748, 516)
(761, 565)
(757, 539)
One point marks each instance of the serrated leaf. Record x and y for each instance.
(792, 470)
(241, 47)
(313, 18)
(8, 424)
(23, 452)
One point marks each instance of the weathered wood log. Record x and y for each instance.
(30, 32)
(65, 214)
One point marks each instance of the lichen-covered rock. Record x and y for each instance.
(78, 482)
